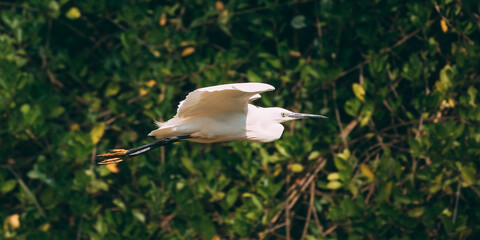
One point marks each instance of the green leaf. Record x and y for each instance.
(97, 132)
(334, 185)
(56, 112)
(416, 212)
(313, 155)
(468, 174)
(138, 215)
(445, 82)
(352, 106)
(204, 226)
(298, 22)
(8, 186)
(73, 13)
(282, 150)
(119, 204)
(232, 196)
(25, 109)
(112, 89)
(367, 116)
(187, 163)
(345, 155)
(217, 196)
(472, 95)
(53, 6)
(253, 77)
(366, 171)
(333, 176)
(359, 91)
(296, 167)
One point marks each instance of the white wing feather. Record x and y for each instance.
(221, 98)
(211, 101)
(254, 97)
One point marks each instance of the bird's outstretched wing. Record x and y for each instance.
(221, 98)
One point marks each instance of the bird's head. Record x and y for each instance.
(282, 115)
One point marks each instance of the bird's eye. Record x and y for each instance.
(284, 114)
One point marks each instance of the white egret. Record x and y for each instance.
(217, 114)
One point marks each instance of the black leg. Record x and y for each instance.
(118, 155)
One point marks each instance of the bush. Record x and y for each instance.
(397, 158)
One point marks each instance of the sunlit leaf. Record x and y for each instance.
(119, 204)
(188, 51)
(138, 215)
(445, 83)
(334, 185)
(443, 25)
(163, 19)
(447, 212)
(366, 171)
(73, 13)
(142, 92)
(112, 168)
(345, 155)
(388, 191)
(217, 196)
(12, 221)
(151, 83)
(333, 176)
(296, 167)
(45, 227)
(468, 174)
(313, 155)
(359, 91)
(416, 212)
(112, 89)
(472, 94)
(97, 132)
(219, 6)
(8, 186)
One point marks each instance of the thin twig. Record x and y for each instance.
(331, 229)
(337, 115)
(28, 192)
(348, 129)
(310, 209)
(287, 211)
(79, 232)
(294, 193)
(457, 196)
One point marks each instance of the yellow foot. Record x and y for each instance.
(113, 156)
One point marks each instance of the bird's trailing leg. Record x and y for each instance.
(118, 155)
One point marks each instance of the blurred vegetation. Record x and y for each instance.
(398, 157)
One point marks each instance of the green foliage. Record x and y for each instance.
(396, 159)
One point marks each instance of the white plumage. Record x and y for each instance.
(223, 113)
(216, 114)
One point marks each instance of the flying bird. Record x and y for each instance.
(219, 113)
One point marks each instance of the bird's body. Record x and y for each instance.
(219, 113)
(237, 126)
(223, 113)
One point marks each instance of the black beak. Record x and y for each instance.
(304, 115)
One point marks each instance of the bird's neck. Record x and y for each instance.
(261, 125)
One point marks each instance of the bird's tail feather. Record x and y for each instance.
(159, 124)
(163, 132)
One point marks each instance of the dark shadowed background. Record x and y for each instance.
(397, 158)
